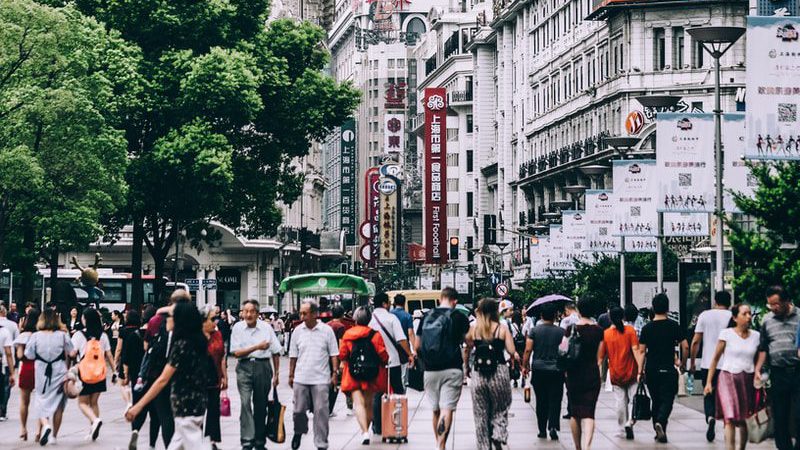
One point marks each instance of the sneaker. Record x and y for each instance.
(296, 441)
(711, 433)
(53, 440)
(553, 434)
(45, 436)
(96, 428)
(542, 435)
(134, 439)
(332, 414)
(661, 436)
(3, 418)
(629, 433)
(365, 438)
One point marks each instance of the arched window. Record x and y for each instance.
(415, 25)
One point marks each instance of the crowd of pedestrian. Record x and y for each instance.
(171, 366)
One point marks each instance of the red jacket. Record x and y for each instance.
(350, 384)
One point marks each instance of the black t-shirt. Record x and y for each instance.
(459, 326)
(661, 337)
(188, 387)
(132, 351)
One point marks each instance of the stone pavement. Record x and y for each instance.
(686, 429)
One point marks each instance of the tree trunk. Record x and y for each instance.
(158, 283)
(27, 271)
(53, 261)
(137, 291)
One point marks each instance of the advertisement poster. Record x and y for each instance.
(435, 167)
(558, 251)
(394, 133)
(685, 224)
(347, 188)
(373, 208)
(573, 227)
(635, 189)
(540, 258)
(736, 174)
(600, 222)
(773, 88)
(389, 194)
(685, 158)
(641, 244)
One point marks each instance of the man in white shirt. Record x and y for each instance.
(313, 351)
(254, 344)
(7, 367)
(709, 324)
(388, 325)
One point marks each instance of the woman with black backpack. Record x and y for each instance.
(491, 387)
(363, 359)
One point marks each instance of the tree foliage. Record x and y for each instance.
(768, 254)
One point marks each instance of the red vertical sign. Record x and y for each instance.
(435, 188)
(372, 198)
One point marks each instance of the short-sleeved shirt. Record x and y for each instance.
(132, 350)
(243, 336)
(621, 362)
(459, 327)
(661, 337)
(188, 396)
(6, 341)
(313, 349)
(740, 354)
(79, 342)
(710, 323)
(406, 320)
(779, 339)
(546, 339)
(391, 325)
(11, 326)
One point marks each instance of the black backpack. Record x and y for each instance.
(438, 349)
(567, 359)
(485, 360)
(156, 356)
(364, 362)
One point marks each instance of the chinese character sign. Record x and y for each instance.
(558, 250)
(540, 257)
(347, 177)
(685, 224)
(389, 191)
(394, 133)
(435, 166)
(685, 156)
(600, 222)
(773, 88)
(573, 227)
(635, 189)
(373, 209)
(641, 244)
(395, 96)
(737, 175)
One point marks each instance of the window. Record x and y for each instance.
(470, 212)
(659, 50)
(470, 244)
(452, 210)
(390, 63)
(452, 184)
(452, 160)
(469, 123)
(698, 54)
(677, 48)
(469, 160)
(401, 63)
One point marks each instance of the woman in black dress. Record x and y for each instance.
(583, 379)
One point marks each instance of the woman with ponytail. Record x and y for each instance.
(621, 346)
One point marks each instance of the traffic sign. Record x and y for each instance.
(501, 290)
(193, 283)
(210, 284)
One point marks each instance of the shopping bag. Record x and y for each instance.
(641, 404)
(416, 378)
(681, 383)
(275, 411)
(608, 386)
(224, 404)
(759, 425)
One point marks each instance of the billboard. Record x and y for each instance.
(573, 227)
(600, 222)
(435, 183)
(347, 181)
(736, 174)
(635, 189)
(540, 257)
(389, 190)
(394, 133)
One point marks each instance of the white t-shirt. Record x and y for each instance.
(79, 342)
(6, 341)
(710, 323)
(313, 349)
(739, 355)
(392, 325)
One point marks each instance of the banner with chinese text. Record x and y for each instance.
(394, 133)
(347, 181)
(435, 167)
(635, 191)
(736, 174)
(600, 222)
(540, 258)
(573, 226)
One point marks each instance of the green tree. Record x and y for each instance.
(260, 87)
(64, 89)
(767, 254)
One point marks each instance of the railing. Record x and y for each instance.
(460, 96)
(564, 155)
(430, 65)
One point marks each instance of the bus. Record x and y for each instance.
(417, 298)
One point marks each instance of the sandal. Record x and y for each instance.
(23, 436)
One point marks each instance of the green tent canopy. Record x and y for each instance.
(327, 284)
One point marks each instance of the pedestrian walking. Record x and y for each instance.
(188, 397)
(313, 368)
(256, 349)
(658, 341)
(94, 351)
(218, 376)
(131, 352)
(50, 347)
(407, 323)
(735, 357)
(10, 330)
(709, 324)
(491, 388)
(779, 346)
(363, 357)
(570, 316)
(74, 324)
(621, 347)
(583, 378)
(224, 328)
(439, 337)
(337, 325)
(27, 381)
(396, 342)
(547, 380)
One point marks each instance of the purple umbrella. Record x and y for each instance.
(552, 298)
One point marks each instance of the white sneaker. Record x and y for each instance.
(365, 438)
(96, 428)
(53, 441)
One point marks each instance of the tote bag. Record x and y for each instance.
(275, 411)
(641, 404)
(760, 426)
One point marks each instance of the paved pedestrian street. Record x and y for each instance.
(686, 428)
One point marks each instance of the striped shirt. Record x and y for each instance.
(778, 339)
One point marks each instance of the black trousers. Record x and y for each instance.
(548, 388)
(710, 401)
(138, 422)
(396, 383)
(784, 396)
(663, 387)
(163, 408)
(213, 430)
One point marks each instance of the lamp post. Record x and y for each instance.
(576, 191)
(594, 172)
(716, 41)
(659, 102)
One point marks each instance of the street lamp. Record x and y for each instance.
(576, 191)
(594, 172)
(716, 41)
(561, 204)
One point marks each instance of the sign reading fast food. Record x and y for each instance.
(435, 168)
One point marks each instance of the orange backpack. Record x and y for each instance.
(92, 367)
